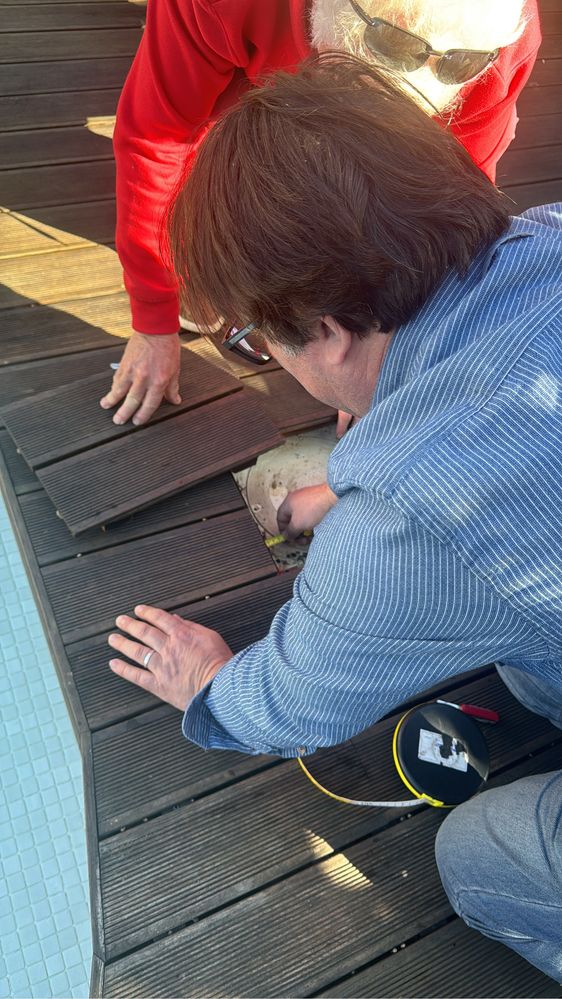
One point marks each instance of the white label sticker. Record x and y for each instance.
(442, 750)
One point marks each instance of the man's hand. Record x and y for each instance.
(303, 509)
(185, 655)
(148, 372)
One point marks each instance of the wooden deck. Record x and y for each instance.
(212, 874)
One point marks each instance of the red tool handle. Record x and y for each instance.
(484, 714)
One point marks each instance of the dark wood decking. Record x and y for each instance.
(212, 874)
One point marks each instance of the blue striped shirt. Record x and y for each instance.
(444, 550)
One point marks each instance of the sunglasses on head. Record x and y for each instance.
(247, 343)
(406, 52)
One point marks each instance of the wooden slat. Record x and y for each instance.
(144, 857)
(547, 72)
(62, 421)
(55, 277)
(22, 234)
(528, 166)
(30, 111)
(22, 478)
(551, 20)
(528, 195)
(31, 46)
(55, 185)
(551, 46)
(23, 381)
(456, 962)
(64, 77)
(540, 100)
(182, 565)
(92, 221)
(53, 542)
(44, 146)
(242, 616)
(532, 133)
(34, 332)
(286, 402)
(177, 453)
(65, 16)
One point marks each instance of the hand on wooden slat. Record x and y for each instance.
(184, 656)
(148, 373)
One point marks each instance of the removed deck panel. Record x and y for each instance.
(65, 420)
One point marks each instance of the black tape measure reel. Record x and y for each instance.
(440, 754)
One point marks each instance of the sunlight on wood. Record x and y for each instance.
(338, 869)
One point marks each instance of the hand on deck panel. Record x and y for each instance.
(179, 657)
(303, 509)
(148, 373)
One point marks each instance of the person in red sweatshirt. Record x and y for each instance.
(467, 63)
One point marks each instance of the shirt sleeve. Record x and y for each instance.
(181, 69)
(487, 118)
(381, 611)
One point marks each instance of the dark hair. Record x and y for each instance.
(327, 191)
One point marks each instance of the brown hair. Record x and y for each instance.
(327, 192)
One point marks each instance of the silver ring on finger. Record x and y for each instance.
(148, 657)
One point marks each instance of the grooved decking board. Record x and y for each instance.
(528, 195)
(286, 402)
(52, 541)
(54, 77)
(114, 479)
(139, 744)
(94, 221)
(28, 111)
(64, 420)
(297, 936)
(451, 949)
(57, 16)
(546, 73)
(258, 811)
(56, 277)
(540, 100)
(20, 234)
(31, 46)
(241, 616)
(544, 130)
(23, 479)
(225, 359)
(181, 565)
(22, 383)
(26, 188)
(525, 166)
(33, 332)
(42, 146)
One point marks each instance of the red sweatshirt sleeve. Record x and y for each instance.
(182, 67)
(487, 117)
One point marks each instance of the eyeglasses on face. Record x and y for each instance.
(406, 52)
(248, 343)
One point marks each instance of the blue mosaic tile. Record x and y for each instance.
(44, 917)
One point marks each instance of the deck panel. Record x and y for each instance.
(240, 615)
(53, 542)
(211, 439)
(32, 333)
(411, 971)
(62, 421)
(164, 570)
(43, 111)
(32, 46)
(285, 401)
(61, 77)
(64, 183)
(356, 896)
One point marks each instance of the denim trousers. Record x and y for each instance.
(500, 854)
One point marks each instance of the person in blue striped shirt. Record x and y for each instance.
(383, 271)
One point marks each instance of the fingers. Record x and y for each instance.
(158, 617)
(119, 388)
(172, 393)
(154, 638)
(133, 650)
(142, 677)
(145, 409)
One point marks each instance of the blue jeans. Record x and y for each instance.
(500, 854)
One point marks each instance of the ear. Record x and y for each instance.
(337, 341)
